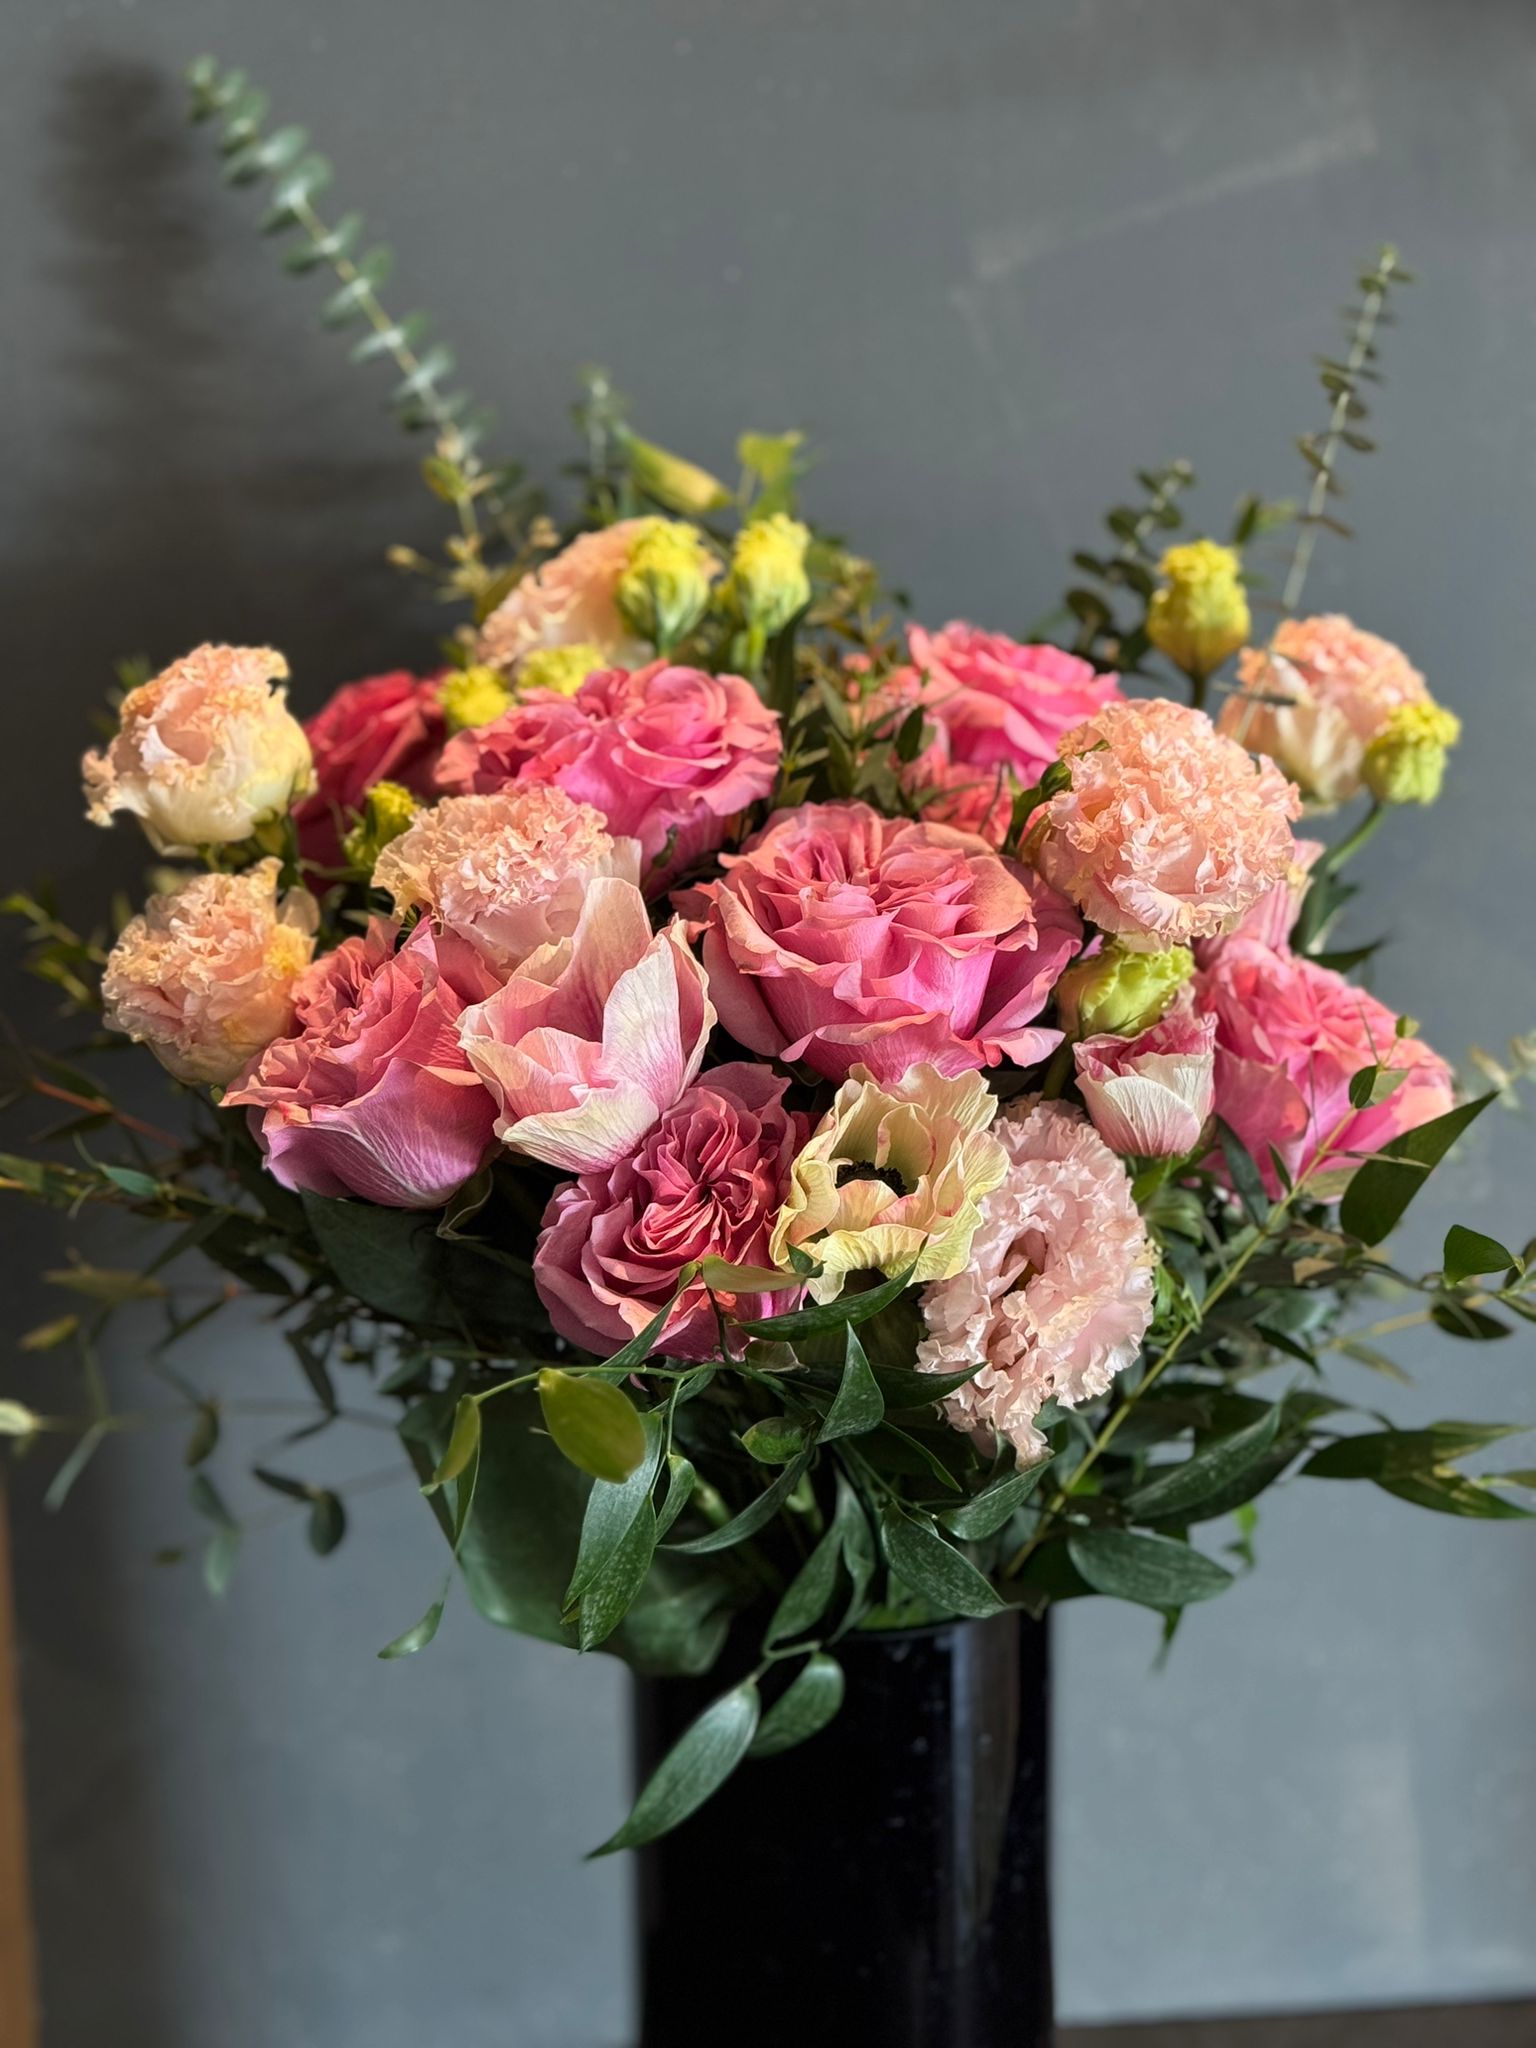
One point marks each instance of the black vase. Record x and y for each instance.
(883, 1885)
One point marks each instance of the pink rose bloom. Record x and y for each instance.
(593, 1036)
(668, 755)
(1003, 703)
(568, 601)
(708, 1181)
(1057, 1294)
(1338, 686)
(1289, 1036)
(1167, 832)
(387, 728)
(372, 1095)
(841, 938)
(1149, 1096)
(509, 873)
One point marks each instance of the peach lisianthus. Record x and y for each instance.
(204, 976)
(571, 599)
(204, 753)
(1167, 831)
(1056, 1295)
(508, 872)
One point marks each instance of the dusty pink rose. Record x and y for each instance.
(372, 1094)
(593, 1036)
(204, 753)
(205, 976)
(568, 601)
(1167, 832)
(668, 755)
(1289, 1037)
(387, 728)
(509, 872)
(708, 1181)
(1057, 1294)
(1149, 1096)
(841, 938)
(1316, 697)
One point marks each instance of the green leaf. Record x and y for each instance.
(463, 1444)
(205, 1435)
(394, 1262)
(610, 1593)
(1460, 1319)
(1152, 1571)
(639, 1348)
(721, 1277)
(681, 1480)
(1399, 1453)
(612, 1509)
(1452, 1493)
(809, 1593)
(593, 1423)
(327, 1521)
(1176, 1489)
(774, 1440)
(901, 1387)
(922, 1560)
(858, 1406)
(803, 1709)
(1469, 1252)
(1246, 1178)
(754, 1516)
(831, 1315)
(697, 1764)
(1381, 1188)
(987, 1512)
(1374, 1084)
(420, 1633)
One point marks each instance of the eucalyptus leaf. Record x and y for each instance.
(803, 1709)
(697, 1764)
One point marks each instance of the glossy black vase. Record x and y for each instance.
(884, 1885)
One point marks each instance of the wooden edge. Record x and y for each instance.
(18, 1985)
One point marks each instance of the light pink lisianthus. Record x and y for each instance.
(372, 1095)
(843, 938)
(669, 755)
(509, 872)
(204, 976)
(707, 1181)
(1167, 832)
(1316, 697)
(1057, 1294)
(567, 601)
(387, 728)
(1289, 1037)
(594, 1036)
(1149, 1096)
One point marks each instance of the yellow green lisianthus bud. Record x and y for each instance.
(563, 669)
(387, 810)
(680, 486)
(473, 696)
(663, 591)
(768, 581)
(1200, 615)
(1405, 763)
(1120, 990)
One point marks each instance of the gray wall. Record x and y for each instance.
(990, 256)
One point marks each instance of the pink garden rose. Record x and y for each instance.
(593, 1036)
(707, 1181)
(1167, 832)
(1149, 1096)
(842, 938)
(371, 1095)
(1057, 1294)
(568, 601)
(668, 755)
(1289, 1036)
(387, 728)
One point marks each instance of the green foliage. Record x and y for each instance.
(593, 1423)
(698, 1763)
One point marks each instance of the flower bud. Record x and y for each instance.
(1121, 990)
(768, 579)
(205, 753)
(388, 809)
(662, 592)
(472, 696)
(1200, 615)
(1405, 763)
(562, 669)
(680, 486)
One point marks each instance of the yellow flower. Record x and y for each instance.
(768, 579)
(1121, 990)
(662, 592)
(679, 485)
(1200, 615)
(387, 810)
(891, 1178)
(1405, 763)
(473, 696)
(564, 669)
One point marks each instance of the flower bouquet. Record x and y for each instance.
(827, 1136)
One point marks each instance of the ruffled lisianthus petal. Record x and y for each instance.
(567, 601)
